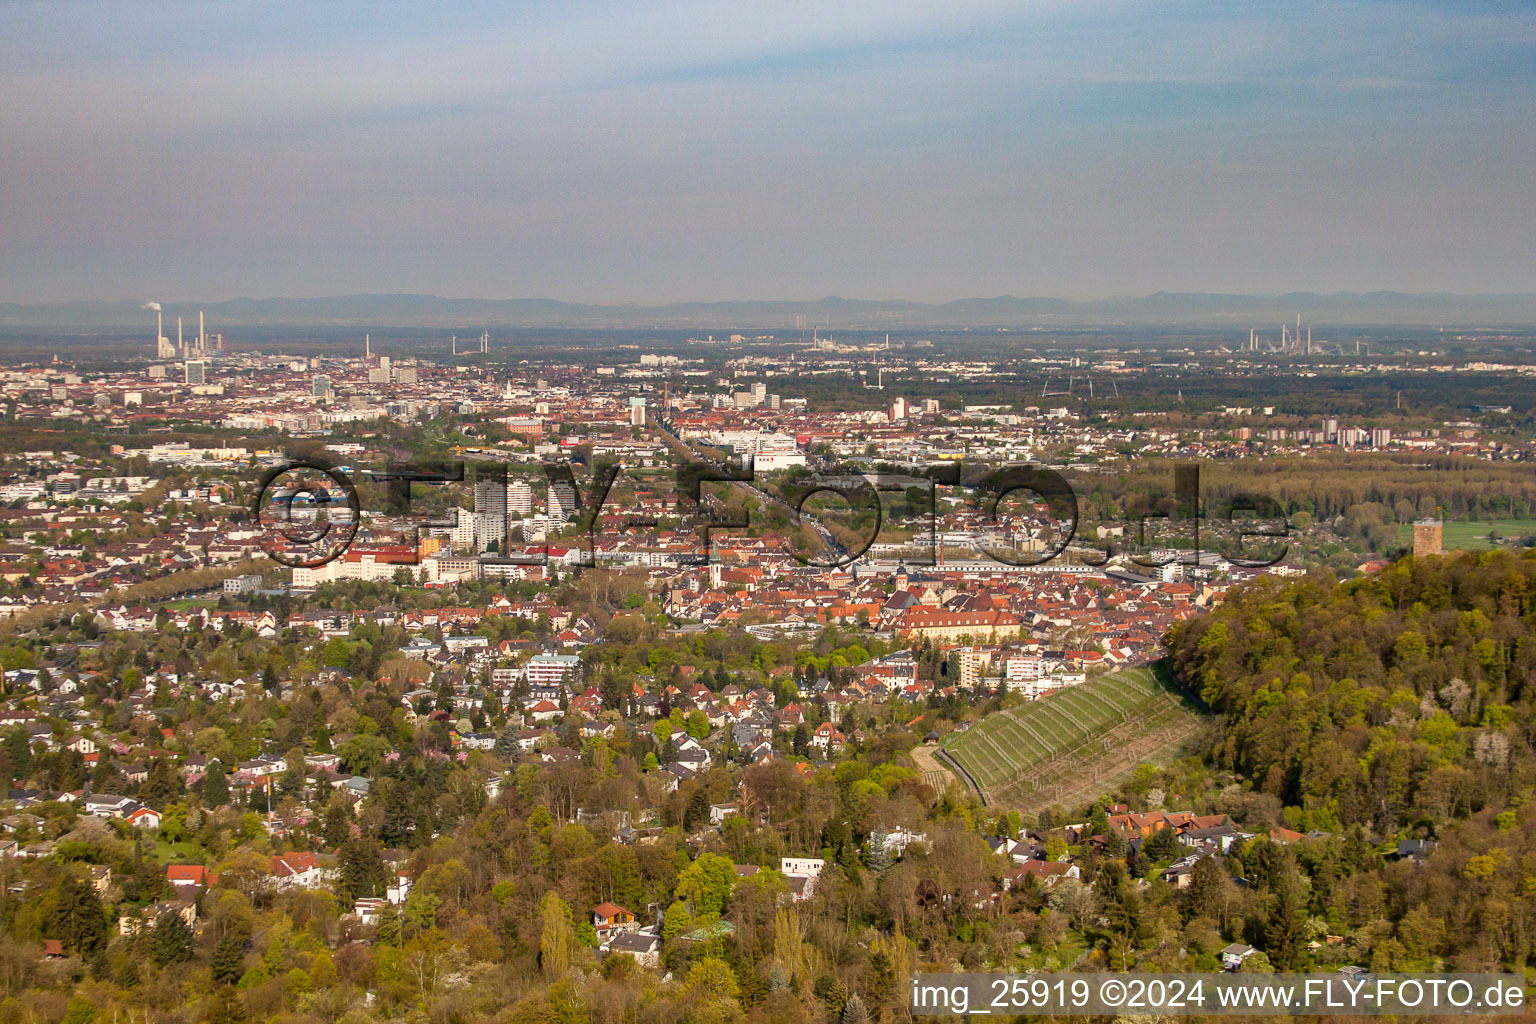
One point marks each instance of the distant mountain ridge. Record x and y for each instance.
(1194, 309)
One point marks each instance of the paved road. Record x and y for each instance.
(840, 553)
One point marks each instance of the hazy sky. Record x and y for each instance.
(655, 151)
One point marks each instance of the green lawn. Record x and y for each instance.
(188, 603)
(178, 853)
(1473, 536)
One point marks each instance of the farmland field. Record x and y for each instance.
(1473, 536)
(1078, 739)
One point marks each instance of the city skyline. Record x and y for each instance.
(1039, 490)
(606, 155)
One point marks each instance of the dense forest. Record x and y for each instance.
(1395, 705)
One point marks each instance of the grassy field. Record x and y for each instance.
(1473, 536)
(188, 603)
(177, 853)
(1044, 751)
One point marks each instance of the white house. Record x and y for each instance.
(295, 871)
(397, 893)
(802, 873)
(106, 805)
(1233, 956)
(143, 817)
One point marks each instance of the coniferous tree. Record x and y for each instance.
(105, 777)
(832, 993)
(68, 771)
(225, 1007)
(170, 940)
(1205, 896)
(336, 828)
(216, 786)
(801, 744)
(79, 920)
(362, 869)
(399, 817)
(1122, 901)
(162, 786)
(79, 1011)
(506, 743)
(1285, 931)
(227, 962)
(1162, 845)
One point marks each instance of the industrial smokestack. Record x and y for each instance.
(179, 346)
(202, 339)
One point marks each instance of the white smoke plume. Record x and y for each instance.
(152, 306)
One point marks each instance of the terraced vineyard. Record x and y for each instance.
(1077, 740)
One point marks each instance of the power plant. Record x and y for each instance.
(201, 348)
(1290, 344)
(484, 342)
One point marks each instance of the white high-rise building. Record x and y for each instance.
(490, 514)
(463, 534)
(520, 498)
(196, 372)
(489, 531)
(562, 502)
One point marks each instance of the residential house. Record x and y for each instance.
(143, 817)
(295, 870)
(610, 918)
(802, 874)
(188, 877)
(1233, 956)
(645, 947)
(132, 923)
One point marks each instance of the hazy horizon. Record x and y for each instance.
(681, 152)
(824, 296)
(1200, 311)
